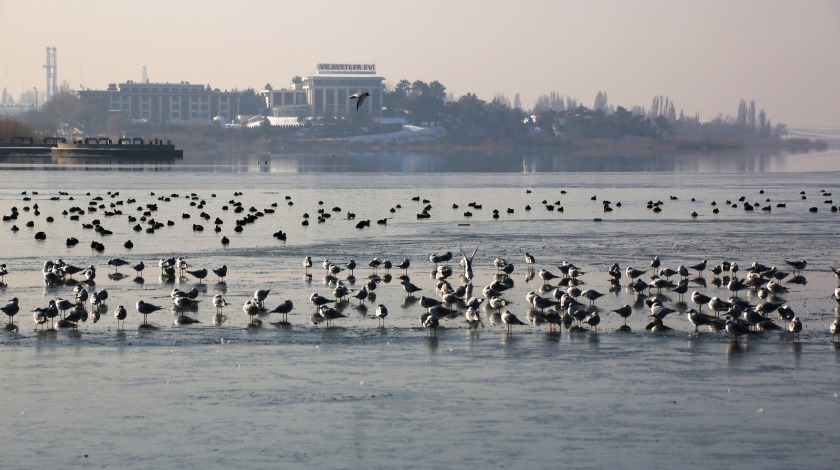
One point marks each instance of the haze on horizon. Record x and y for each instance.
(704, 55)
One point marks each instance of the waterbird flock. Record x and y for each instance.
(555, 302)
(560, 308)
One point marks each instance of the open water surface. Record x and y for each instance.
(221, 393)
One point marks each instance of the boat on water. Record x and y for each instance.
(27, 147)
(123, 147)
(58, 147)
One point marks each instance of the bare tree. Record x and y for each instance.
(600, 101)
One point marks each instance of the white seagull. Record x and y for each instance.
(360, 98)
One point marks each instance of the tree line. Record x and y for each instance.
(471, 119)
(557, 116)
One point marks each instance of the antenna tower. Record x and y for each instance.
(52, 77)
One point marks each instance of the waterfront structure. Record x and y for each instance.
(326, 93)
(165, 103)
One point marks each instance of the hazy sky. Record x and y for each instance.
(705, 55)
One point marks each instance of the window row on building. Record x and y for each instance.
(165, 103)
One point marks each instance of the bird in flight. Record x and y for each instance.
(360, 98)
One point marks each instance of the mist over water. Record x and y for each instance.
(356, 396)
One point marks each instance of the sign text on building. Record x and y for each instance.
(346, 68)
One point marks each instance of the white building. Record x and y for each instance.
(327, 93)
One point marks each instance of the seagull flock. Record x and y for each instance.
(558, 302)
(561, 301)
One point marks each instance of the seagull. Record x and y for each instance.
(553, 318)
(97, 297)
(361, 294)
(39, 317)
(64, 305)
(334, 269)
(473, 317)
(633, 273)
(404, 265)
(698, 319)
(681, 288)
(718, 305)
(546, 276)
(510, 319)
(221, 272)
(116, 263)
(786, 313)
(82, 295)
(139, 267)
(260, 296)
(654, 263)
(50, 312)
(592, 320)
(624, 312)
(736, 285)
(592, 295)
(219, 302)
(700, 299)
(497, 303)
(797, 265)
(699, 267)
(77, 314)
(428, 302)
(736, 328)
(429, 321)
(120, 315)
(467, 262)
(307, 263)
(529, 258)
(834, 328)
(184, 302)
(667, 273)
(329, 314)
(319, 300)
(543, 303)
(410, 288)
(360, 98)
(340, 291)
(145, 309)
(252, 309)
(753, 317)
(381, 313)
(776, 288)
(442, 312)
(11, 309)
(659, 311)
(350, 266)
(284, 309)
(199, 274)
(795, 327)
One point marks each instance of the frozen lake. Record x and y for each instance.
(220, 392)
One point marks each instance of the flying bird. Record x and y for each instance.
(360, 98)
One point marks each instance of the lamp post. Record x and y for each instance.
(36, 98)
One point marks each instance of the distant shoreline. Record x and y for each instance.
(592, 147)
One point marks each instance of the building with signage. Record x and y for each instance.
(165, 103)
(327, 93)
